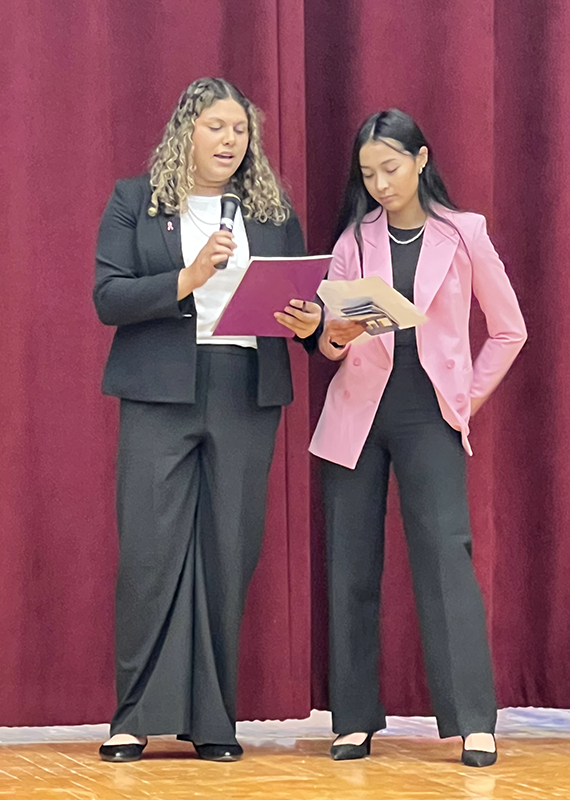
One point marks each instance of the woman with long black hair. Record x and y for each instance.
(405, 400)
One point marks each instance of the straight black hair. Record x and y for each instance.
(399, 126)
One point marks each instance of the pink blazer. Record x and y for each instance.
(449, 271)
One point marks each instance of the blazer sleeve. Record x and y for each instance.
(339, 270)
(121, 295)
(505, 323)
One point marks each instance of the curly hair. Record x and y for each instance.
(171, 170)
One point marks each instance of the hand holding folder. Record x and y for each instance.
(371, 301)
(268, 285)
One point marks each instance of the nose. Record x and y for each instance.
(229, 135)
(381, 183)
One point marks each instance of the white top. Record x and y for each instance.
(196, 226)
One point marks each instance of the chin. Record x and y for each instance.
(220, 177)
(224, 173)
(391, 205)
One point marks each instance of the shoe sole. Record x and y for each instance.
(223, 758)
(112, 760)
(473, 764)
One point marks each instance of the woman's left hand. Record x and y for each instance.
(300, 316)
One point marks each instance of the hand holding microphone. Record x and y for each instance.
(215, 253)
(230, 205)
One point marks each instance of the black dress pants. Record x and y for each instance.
(429, 463)
(191, 505)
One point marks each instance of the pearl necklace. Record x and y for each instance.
(408, 241)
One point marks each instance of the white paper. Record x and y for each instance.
(336, 295)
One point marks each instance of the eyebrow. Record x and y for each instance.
(383, 163)
(223, 121)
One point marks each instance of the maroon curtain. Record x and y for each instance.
(86, 90)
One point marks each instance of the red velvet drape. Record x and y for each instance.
(86, 90)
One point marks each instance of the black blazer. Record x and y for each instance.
(153, 355)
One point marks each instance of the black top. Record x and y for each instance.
(153, 355)
(404, 263)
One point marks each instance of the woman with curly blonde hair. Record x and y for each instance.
(198, 416)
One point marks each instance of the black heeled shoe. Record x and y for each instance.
(478, 758)
(219, 752)
(214, 752)
(347, 752)
(121, 752)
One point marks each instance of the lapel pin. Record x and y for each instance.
(170, 226)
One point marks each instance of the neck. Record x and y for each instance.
(409, 217)
(206, 190)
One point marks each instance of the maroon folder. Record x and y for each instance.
(268, 285)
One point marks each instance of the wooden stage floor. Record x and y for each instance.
(289, 761)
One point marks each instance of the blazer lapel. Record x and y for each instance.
(261, 243)
(170, 229)
(437, 252)
(377, 259)
(376, 250)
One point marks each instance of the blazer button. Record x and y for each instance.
(357, 362)
(460, 398)
(347, 395)
(450, 364)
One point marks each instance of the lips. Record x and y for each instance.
(227, 157)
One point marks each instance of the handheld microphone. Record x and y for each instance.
(230, 205)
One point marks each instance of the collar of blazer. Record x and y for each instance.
(261, 238)
(436, 255)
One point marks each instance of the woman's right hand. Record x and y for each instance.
(219, 247)
(343, 331)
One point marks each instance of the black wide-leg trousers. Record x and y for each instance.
(429, 463)
(191, 505)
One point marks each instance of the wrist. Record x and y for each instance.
(332, 350)
(186, 283)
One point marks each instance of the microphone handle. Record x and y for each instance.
(230, 203)
(226, 224)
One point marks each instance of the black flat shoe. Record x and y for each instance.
(121, 752)
(219, 752)
(478, 758)
(346, 752)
